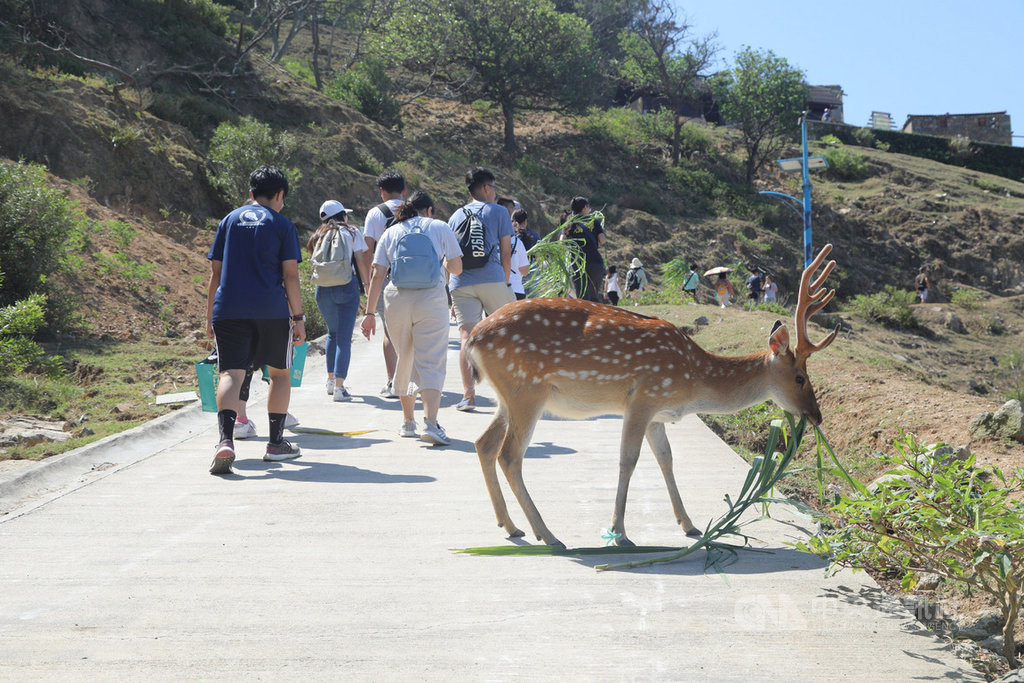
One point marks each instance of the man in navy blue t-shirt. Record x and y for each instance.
(254, 309)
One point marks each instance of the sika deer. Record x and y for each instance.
(580, 359)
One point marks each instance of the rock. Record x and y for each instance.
(954, 324)
(122, 408)
(928, 582)
(991, 624)
(994, 643)
(1008, 422)
(702, 320)
(1015, 676)
(966, 649)
(84, 431)
(977, 387)
(30, 430)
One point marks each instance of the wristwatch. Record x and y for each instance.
(300, 318)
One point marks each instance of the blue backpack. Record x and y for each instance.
(414, 261)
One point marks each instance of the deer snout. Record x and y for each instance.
(814, 416)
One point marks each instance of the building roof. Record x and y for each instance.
(932, 116)
(831, 95)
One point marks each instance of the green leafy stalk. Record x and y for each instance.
(764, 473)
(554, 264)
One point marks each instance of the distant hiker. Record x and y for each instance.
(414, 248)
(508, 203)
(636, 279)
(381, 217)
(691, 282)
(586, 226)
(254, 309)
(723, 290)
(526, 234)
(826, 116)
(770, 290)
(331, 248)
(923, 284)
(612, 289)
(484, 231)
(520, 267)
(754, 287)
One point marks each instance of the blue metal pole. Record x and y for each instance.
(807, 193)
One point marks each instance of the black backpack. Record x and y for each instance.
(632, 279)
(472, 237)
(388, 214)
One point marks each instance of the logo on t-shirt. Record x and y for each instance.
(252, 217)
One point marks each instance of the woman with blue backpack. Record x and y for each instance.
(414, 248)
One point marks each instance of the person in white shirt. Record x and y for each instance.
(520, 267)
(339, 304)
(378, 219)
(418, 317)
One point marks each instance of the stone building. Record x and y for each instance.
(821, 97)
(993, 127)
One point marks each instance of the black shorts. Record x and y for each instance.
(244, 343)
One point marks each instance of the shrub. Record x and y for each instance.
(865, 137)
(935, 513)
(891, 307)
(37, 230)
(844, 164)
(969, 299)
(18, 323)
(1014, 364)
(237, 150)
(368, 88)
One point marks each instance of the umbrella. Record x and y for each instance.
(717, 270)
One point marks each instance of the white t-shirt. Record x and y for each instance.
(612, 284)
(376, 222)
(519, 260)
(445, 243)
(356, 241)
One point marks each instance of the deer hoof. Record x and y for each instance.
(624, 542)
(555, 543)
(694, 533)
(516, 533)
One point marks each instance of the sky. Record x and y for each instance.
(897, 56)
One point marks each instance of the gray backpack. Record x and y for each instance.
(332, 259)
(414, 261)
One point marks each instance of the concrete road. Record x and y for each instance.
(128, 561)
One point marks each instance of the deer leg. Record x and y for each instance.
(513, 448)
(633, 427)
(487, 450)
(658, 441)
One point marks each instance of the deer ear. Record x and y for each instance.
(778, 342)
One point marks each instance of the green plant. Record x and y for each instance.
(368, 88)
(865, 137)
(238, 149)
(300, 68)
(830, 140)
(37, 228)
(987, 185)
(845, 164)
(18, 323)
(554, 263)
(891, 307)
(935, 512)
(1014, 364)
(969, 299)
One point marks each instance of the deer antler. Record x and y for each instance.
(812, 298)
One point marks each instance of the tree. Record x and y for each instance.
(765, 96)
(659, 56)
(519, 54)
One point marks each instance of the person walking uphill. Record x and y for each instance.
(484, 232)
(587, 227)
(254, 309)
(331, 248)
(417, 306)
(378, 219)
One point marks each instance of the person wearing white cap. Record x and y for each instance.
(339, 304)
(636, 278)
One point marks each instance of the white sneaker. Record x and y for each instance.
(330, 386)
(341, 395)
(290, 421)
(408, 429)
(245, 430)
(435, 434)
(388, 391)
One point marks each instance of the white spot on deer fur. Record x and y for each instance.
(670, 366)
(656, 368)
(516, 337)
(531, 346)
(502, 331)
(627, 356)
(558, 323)
(574, 323)
(546, 322)
(666, 382)
(501, 352)
(686, 375)
(511, 367)
(536, 316)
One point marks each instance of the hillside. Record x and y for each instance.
(119, 163)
